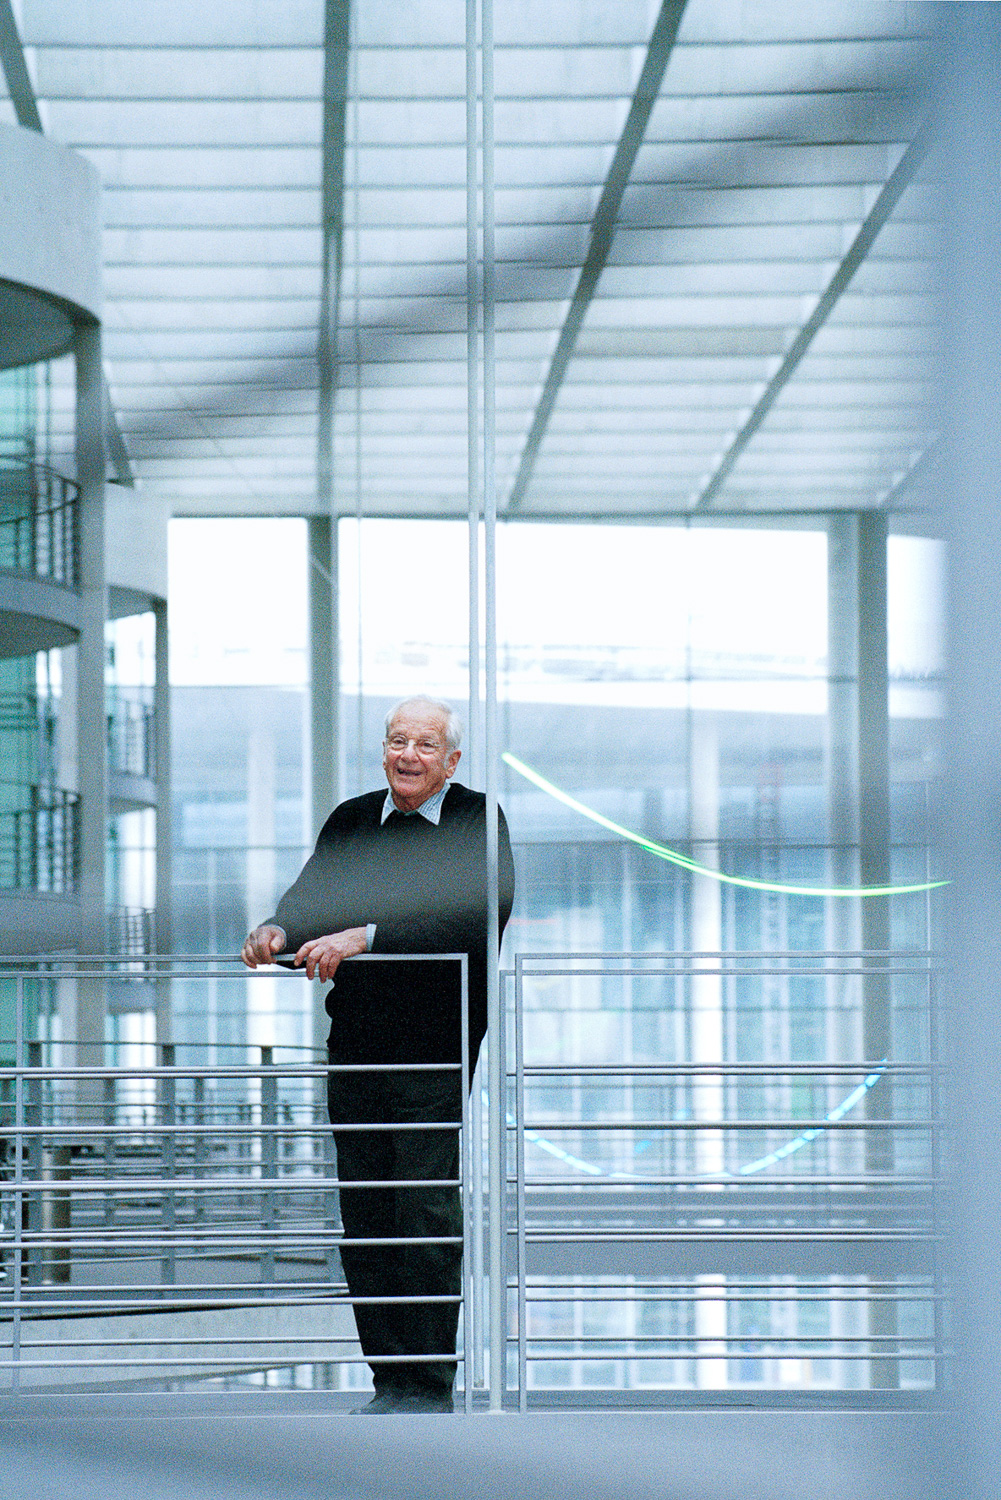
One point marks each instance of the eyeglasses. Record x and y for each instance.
(399, 742)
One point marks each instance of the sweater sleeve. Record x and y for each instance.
(323, 897)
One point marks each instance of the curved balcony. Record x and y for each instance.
(39, 558)
(131, 731)
(38, 522)
(39, 838)
(131, 719)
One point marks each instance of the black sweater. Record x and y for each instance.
(425, 889)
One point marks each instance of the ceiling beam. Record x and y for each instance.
(894, 188)
(336, 49)
(22, 96)
(920, 470)
(602, 232)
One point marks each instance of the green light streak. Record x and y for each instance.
(673, 857)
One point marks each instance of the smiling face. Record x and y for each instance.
(415, 755)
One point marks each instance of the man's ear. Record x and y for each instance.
(452, 762)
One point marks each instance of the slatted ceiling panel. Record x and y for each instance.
(776, 127)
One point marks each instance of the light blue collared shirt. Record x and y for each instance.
(430, 808)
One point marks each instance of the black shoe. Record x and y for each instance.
(404, 1402)
(416, 1400)
(382, 1402)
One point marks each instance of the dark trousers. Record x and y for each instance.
(395, 1212)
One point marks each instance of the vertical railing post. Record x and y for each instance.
(18, 1226)
(31, 1211)
(269, 1163)
(465, 1191)
(200, 1148)
(168, 1157)
(109, 1120)
(519, 1147)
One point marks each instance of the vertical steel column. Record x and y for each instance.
(359, 778)
(92, 730)
(473, 744)
(324, 693)
(874, 759)
(323, 571)
(475, 1323)
(324, 660)
(498, 1071)
(164, 876)
(874, 869)
(842, 917)
(968, 67)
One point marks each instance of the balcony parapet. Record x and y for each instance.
(39, 839)
(131, 731)
(38, 522)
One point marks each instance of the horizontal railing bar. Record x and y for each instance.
(57, 1309)
(135, 1074)
(723, 970)
(251, 1128)
(761, 1125)
(54, 1073)
(726, 1293)
(84, 965)
(712, 1233)
(697, 1070)
(733, 1179)
(880, 1343)
(215, 1237)
(712, 1291)
(193, 1186)
(183, 1185)
(916, 955)
(736, 954)
(211, 1292)
(928, 1357)
(180, 1342)
(196, 1363)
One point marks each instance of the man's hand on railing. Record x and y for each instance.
(322, 956)
(262, 945)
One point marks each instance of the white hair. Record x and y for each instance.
(453, 724)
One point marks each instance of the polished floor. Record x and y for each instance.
(302, 1446)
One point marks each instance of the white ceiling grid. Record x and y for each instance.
(776, 127)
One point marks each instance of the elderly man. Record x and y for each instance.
(402, 871)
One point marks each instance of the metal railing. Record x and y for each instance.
(165, 1220)
(38, 522)
(761, 1230)
(39, 840)
(132, 931)
(131, 730)
(724, 1229)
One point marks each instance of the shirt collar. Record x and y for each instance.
(430, 808)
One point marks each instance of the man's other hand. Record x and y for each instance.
(322, 956)
(262, 945)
